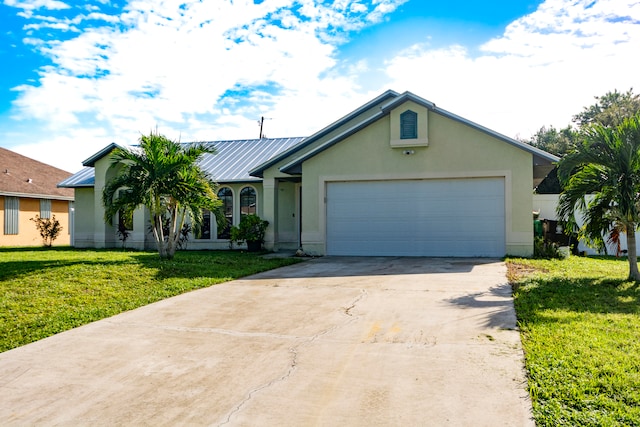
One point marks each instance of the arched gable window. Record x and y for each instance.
(225, 195)
(408, 125)
(247, 201)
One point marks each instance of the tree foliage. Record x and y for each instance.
(162, 175)
(610, 109)
(605, 166)
(49, 229)
(554, 141)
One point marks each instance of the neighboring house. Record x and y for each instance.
(29, 188)
(396, 177)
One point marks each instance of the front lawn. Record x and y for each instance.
(43, 292)
(580, 326)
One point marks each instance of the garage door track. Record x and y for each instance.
(332, 341)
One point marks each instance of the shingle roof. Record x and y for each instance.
(231, 163)
(23, 176)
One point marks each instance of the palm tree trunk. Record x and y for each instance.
(171, 240)
(159, 235)
(634, 274)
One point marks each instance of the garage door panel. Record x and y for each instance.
(460, 217)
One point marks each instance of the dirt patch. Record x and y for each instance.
(517, 272)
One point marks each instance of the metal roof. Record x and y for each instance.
(84, 178)
(231, 163)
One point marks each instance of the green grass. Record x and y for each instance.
(43, 292)
(580, 326)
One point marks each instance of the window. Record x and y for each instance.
(247, 201)
(45, 208)
(11, 214)
(408, 125)
(225, 195)
(204, 231)
(125, 221)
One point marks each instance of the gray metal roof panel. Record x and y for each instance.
(231, 163)
(84, 178)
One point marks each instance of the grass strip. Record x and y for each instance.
(44, 292)
(580, 326)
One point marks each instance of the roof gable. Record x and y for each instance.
(26, 177)
(295, 163)
(258, 171)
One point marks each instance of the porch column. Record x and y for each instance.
(270, 211)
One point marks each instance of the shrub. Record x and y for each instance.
(49, 229)
(545, 249)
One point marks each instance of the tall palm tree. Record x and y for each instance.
(163, 176)
(606, 165)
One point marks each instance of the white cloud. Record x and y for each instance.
(209, 70)
(37, 4)
(544, 69)
(171, 67)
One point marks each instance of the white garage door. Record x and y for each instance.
(436, 217)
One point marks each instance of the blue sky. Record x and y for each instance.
(83, 74)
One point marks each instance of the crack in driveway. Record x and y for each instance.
(294, 359)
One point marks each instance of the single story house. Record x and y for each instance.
(398, 176)
(29, 188)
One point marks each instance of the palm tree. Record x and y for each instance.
(606, 165)
(163, 176)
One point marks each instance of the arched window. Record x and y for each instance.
(247, 201)
(408, 125)
(226, 197)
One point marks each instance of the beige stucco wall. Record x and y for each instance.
(28, 235)
(84, 218)
(455, 150)
(91, 230)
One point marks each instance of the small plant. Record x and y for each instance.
(251, 229)
(49, 229)
(123, 234)
(543, 249)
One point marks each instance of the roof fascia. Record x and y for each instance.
(91, 161)
(258, 171)
(291, 166)
(35, 196)
(76, 186)
(539, 155)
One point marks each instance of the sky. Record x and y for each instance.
(76, 76)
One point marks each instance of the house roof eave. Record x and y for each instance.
(91, 161)
(259, 170)
(540, 157)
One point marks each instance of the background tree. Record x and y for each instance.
(551, 140)
(163, 176)
(606, 167)
(610, 109)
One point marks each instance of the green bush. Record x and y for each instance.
(543, 249)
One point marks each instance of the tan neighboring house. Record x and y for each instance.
(398, 176)
(29, 188)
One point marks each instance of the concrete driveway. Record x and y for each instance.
(332, 341)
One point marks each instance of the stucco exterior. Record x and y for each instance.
(366, 145)
(91, 231)
(454, 151)
(28, 233)
(28, 188)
